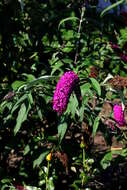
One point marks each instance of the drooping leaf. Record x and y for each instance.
(72, 106)
(23, 112)
(81, 113)
(39, 80)
(40, 159)
(18, 103)
(18, 83)
(95, 125)
(22, 115)
(62, 127)
(96, 85)
(85, 88)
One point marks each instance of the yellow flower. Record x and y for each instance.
(49, 157)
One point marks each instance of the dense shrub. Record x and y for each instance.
(84, 48)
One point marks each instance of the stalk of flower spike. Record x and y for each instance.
(118, 114)
(64, 88)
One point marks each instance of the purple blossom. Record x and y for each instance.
(64, 88)
(118, 114)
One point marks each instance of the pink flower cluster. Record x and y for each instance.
(118, 114)
(64, 88)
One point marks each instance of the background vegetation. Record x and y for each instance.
(39, 41)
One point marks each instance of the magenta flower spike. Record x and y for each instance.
(118, 114)
(64, 88)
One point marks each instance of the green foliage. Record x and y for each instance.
(96, 86)
(23, 112)
(95, 126)
(106, 161)
(39, 41)
(39, 160)
(62, 128)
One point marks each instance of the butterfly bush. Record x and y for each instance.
(64, 88)
(118, 114)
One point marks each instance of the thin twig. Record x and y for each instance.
(79, 30)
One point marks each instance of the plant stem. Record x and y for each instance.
(84, 157)
(84, 166)
(47, 175)
(79, 33)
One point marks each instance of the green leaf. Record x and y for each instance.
(72, 106)
(96, 85)
(111, 7)
(40, 159)
(22, 116)
(106, 161)
(62, 127)
(124, 152)
(26, 149)
(21, 173)
(67, 19)
(68, 47)
(29, 77)
(81, 113)
(15, 85)
(85, 88)
(95, 125)
(6, 180)
(18, 103)
(32, 188)
(39, 80)
(68, 34)
(30, 98)
(50, 185)
(57, 66)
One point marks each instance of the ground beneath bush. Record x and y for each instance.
(114, 177)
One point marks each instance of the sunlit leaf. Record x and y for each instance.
(16, 84)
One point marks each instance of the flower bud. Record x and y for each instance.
(82, 144)
(49, 157)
